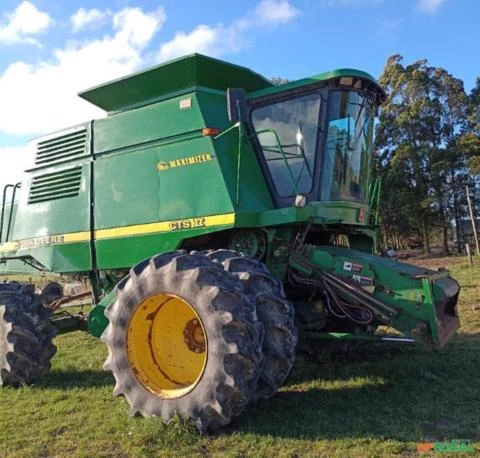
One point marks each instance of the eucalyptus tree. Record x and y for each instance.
(421, 137)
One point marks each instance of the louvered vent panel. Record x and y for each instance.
(53, 186)
(68, 146)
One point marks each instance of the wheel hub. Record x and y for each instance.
(253, 243)
(166, 345)
(194, 337)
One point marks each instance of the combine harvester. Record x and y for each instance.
(219, 219)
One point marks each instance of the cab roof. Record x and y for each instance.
(337, 74)
(170, 77)
(152, 84)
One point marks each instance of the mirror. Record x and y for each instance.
(236, 105)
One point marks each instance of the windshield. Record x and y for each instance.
(346, 165)
(288, 131)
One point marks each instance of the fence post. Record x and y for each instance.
(474, 225)
(469, 254)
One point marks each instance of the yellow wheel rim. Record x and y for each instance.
(166, 345)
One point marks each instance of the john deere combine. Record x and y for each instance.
(219, 219)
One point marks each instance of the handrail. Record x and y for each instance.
(374, 196)
(378, 200)
(281, 152)
(17, 186)
(4, 204)
(239, 155)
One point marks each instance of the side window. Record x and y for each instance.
(288, 131)
(346, 166)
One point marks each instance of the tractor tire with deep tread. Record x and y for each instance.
(11, 286)
(274, 311)
(232, 335)
(26, 335)
(52, 290)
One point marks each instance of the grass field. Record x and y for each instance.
(373, 401)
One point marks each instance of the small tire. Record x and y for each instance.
(11, 286)
(26, 335)
(53, 290)
(274, 311)
(156, 382)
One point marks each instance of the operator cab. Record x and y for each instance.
(316, 139)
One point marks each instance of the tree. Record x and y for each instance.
(277, 80)
(471, 143)
(421, 137)
(449, 160)
(404, 135)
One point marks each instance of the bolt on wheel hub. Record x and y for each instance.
(194, 336)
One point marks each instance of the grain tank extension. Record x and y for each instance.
(220, 220)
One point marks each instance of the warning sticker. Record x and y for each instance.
(185, 103)
(364, 281)
(352, 267)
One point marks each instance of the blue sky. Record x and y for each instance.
(50, 50)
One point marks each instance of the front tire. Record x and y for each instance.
(183, 339)
(274, 311)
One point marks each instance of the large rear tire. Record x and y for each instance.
(26, 335)
(274, 311)
(183, 339)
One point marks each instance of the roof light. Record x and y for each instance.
(346, 80)
(300, 200)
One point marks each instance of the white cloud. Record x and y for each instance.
(23, 23)
(88, 18)
(275, 12)
(136, 27)
(42, 97)
(204, 39)
(220, 39)
(14, 160)
(429, 6)
(351, 3)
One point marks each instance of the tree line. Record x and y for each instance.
(427, 152)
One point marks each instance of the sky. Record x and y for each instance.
(52, 49)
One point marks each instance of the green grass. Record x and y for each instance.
(373, 401)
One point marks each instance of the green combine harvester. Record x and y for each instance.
(221, 220)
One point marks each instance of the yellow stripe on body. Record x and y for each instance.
(166, 226)
(220, 220)
(131, 230)
(73, 237)
(125, 231)
(9, 246)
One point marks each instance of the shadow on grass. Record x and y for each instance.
(69, 379)
(402, 394)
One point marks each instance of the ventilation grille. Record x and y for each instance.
(64, 147)
(53, 186)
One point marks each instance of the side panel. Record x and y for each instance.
(151, 196)
(150, 123)
(52, 222)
